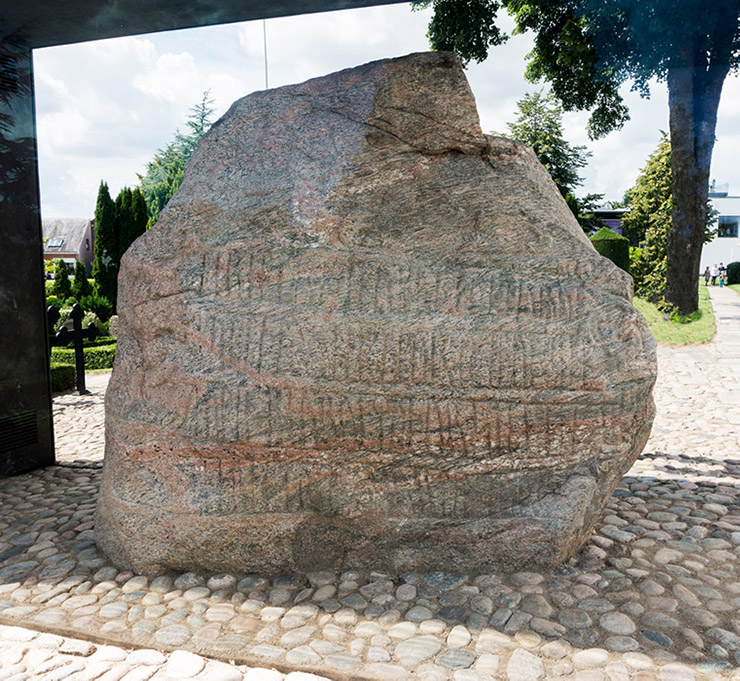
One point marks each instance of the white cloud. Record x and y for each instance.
(103, 108)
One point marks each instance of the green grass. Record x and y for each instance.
(735, 287)
(696, 328)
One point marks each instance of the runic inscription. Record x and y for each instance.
(365, 335)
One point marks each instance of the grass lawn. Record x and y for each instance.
(735, 287)
(696, 330)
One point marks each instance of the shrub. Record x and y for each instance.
(637, 267)
(96, 356)
(53, 300)
(99, 341)
(613, 246)
(63, 317)
(81, 286)
(733, 273)
(61, 287)
(98, 304)
(62, 376)
(91, 317)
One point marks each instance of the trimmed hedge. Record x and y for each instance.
(96, 357)
(98, 342)
(62, 376)
(613, 246)
(733, 273)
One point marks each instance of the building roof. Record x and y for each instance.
(64, 235)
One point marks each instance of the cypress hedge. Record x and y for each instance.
(733, 273)
(613, 246)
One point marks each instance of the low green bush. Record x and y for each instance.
(63, 317)
(62, 375)
(613, 246)
(92, 318)
(53, 300)
(100, 305)
(96, 356)
(99, 341)
(733, 273)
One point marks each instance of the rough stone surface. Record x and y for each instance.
(364, 334)
(690, 465)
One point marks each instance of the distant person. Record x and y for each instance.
(722, 274)
(715, 274)
(707, 275)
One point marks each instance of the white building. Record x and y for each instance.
(725, 247)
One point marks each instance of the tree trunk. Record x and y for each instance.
(694, 89)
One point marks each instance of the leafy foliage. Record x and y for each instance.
(613, 246)
(165, 171)
(647, 223)
(63, 375)
(539, 125)
(100, 305)
(131, 217)
(463, 26)
(54, 301)
(62, 288)
(96, 356)
(118, 224)
(105, 266)
(733, 273)
(586, 49)
(81, 286)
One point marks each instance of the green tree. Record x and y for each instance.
(647, 225)
(105, 266)
(118, 224)
(81, 286)
(131, 217)
(139, 215)
(62, 288)
(124, 221)
(587, 48)
(539, 124)
(165, 171)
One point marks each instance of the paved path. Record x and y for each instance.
(653, 596)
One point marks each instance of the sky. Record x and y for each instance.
(105, 107)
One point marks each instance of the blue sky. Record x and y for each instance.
(103, 108)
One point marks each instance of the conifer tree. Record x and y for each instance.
(139, 215)
(105, 266)
(124, 227)
(539, 124)
(166, 170)
(131, 217)
(61, 288)
(80, 286)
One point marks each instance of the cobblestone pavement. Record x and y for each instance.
(653, 596)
